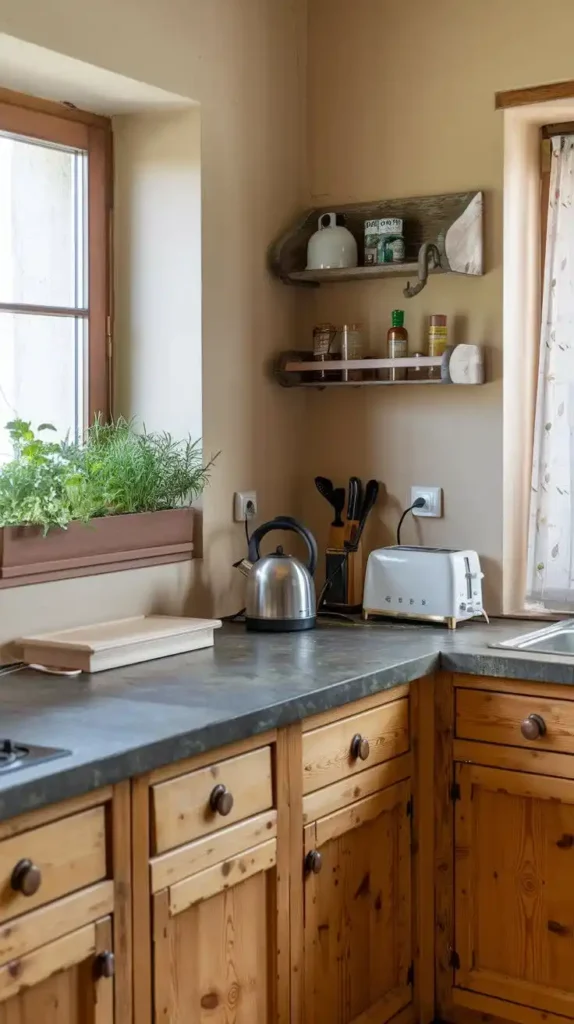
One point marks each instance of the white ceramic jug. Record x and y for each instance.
(331, 246)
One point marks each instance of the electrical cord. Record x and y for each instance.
(328, 582)
(237, 615)
(419, 503)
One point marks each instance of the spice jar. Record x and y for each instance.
(323, 338)
(438, 340)
(398, 344)
(350, 343)
(415, 373)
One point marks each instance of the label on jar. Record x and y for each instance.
(322, 337)
(438, 337)
(398, 348)
(391, 249)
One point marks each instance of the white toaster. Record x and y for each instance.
(436, 584)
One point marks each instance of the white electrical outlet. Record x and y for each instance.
(433, 501)
(244, 505)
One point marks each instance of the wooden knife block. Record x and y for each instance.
(346, 592)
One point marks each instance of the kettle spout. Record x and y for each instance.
(245, 566)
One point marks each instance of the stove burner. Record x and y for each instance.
(10, 752)
(16, 755)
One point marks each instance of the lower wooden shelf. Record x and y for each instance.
(299, 369)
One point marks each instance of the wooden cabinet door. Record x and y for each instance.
(68, 981)
(215, 952)
(358, 928)
(514, 887)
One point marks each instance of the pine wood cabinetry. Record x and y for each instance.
(358, 923)
(514, 897)
(404, 859)
(218, 898)
(358, 913)
(508, 946)
(65, 931)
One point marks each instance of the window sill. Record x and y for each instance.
(110, 544)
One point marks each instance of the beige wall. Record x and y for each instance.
(157, 265)
(401, 102)
(244, 62)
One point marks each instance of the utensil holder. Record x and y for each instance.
(347, 568)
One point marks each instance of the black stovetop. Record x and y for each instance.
(14, 754)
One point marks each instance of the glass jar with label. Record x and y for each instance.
(437, 340)
(323, 348)
(350, 343)
(397, 344)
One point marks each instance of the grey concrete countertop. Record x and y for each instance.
(121, 723)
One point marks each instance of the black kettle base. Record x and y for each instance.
(279, 625)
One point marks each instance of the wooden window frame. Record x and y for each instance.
(67, 126)
(114, 543)
(534, 94)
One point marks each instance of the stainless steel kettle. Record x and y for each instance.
(280, 589)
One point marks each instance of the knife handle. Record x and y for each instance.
(337, 536)
(351, 527)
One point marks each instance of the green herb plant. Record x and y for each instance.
(115, 471)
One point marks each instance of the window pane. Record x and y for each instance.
(42, 224)
(41, 373)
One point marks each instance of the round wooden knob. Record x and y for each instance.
(221, 800)
(105, 965)
(360, 748)
(533, 727)
(313, 862)
(26, 878)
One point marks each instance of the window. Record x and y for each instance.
(550, 569)
(55, 197)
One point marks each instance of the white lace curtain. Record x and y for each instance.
(550, 570)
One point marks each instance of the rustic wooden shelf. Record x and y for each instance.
(452, 223)
(319, 385)
(318, 277)
(293, 370)
(310, 366)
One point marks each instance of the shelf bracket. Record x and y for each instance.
(429, 259)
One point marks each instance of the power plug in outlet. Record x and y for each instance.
(244, 505)
(433, 501)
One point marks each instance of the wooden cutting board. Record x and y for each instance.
(121, 642)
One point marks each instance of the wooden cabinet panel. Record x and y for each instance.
(329, 754)
(70, 854)
(60, 983)
(514, 897)
(498, 718)
(172, 867)
(216, 960)
(40, 927)
(182, 808)
(358, 938)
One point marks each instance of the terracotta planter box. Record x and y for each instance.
(105, 545)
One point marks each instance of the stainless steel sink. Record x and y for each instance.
(556, 639)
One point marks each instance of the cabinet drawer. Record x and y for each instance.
(187, 807)
(62, 857)
(46, 924)
(539, 723)
(336, 751)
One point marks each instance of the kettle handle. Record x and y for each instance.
(331, 218)
(284, 523)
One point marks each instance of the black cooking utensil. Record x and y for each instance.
(360, 497)
(325, 488)
(351, 498)
(355, 498)
(371, 495)
(338, 502)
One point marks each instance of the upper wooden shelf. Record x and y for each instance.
(358, 273)
(452, 222)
